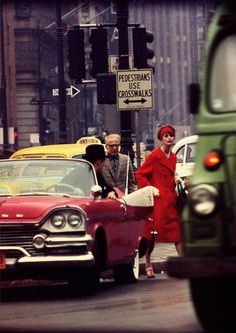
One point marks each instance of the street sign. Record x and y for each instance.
(134, 89)
(114, 63)
(55, 92)
(71, 91)
(34, 138)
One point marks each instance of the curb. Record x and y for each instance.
(158, 267)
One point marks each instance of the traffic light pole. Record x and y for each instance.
(61, 80)
(3, 98)
(42, 138)
(125, 116)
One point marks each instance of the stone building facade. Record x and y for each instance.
(30, 44)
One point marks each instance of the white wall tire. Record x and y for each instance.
(128, 273)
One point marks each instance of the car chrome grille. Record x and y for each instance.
(20, 237)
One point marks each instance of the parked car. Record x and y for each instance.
(53, 224)
(185, 149)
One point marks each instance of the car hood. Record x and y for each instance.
(33, 208)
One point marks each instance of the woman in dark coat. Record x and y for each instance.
(158, 170)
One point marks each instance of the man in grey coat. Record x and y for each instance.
(117, 165)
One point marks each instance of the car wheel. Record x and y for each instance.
(127, 273)
(214, 299)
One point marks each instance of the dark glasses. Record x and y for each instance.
(115, 146)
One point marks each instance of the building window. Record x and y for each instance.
(23, 9)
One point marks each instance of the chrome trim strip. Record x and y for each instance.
(10, 261)
(16, 248)
(67, 240)
(83, 259)
(63, 245)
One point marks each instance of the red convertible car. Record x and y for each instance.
(54, 224)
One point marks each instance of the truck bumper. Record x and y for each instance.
(192, 266)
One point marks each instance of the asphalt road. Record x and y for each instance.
(160, 305)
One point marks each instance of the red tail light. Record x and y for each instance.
(213, 160)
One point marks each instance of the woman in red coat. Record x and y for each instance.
(158, 170)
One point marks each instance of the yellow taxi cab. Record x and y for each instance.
(67, 150)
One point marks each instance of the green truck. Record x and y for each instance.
(209, 218)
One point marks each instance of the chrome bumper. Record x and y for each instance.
(51, 242)
(82, 260)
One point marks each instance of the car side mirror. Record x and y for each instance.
(96, 191)
(194, 97)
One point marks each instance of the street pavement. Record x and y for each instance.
(159, 256)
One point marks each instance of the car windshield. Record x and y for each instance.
(222, 92)
(46, 177)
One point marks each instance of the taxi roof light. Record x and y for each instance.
(88, 140)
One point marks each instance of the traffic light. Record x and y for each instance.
(141, 52)
(46, 126)
(106, 88)
(76, 54)
(99, 51)
(15, 135)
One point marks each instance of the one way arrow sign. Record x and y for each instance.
(71, 91)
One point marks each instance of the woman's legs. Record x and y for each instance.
(148, 260)
(149, 268)
(179, 248)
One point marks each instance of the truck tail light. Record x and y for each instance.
(213, 160)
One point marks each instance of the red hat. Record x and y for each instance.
(164, 130)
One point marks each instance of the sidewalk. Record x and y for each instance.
(159, 256)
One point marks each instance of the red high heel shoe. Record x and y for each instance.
(150, 272)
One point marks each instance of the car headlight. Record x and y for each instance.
(65, 220)
(58, 221)
(203, 200)
(75, 220)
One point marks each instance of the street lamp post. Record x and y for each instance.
(123, 44)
